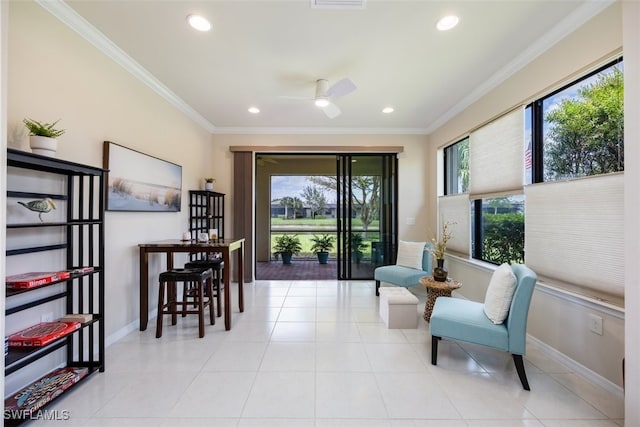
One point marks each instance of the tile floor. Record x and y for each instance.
(315, 353)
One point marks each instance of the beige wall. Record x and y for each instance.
(558, 321)
(54, 74)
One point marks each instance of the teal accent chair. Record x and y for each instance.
(400, 275)
(465, 320)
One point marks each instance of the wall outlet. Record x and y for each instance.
(47, 317)
(595, 324)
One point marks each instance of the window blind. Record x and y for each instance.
(456, 210)
(575, 232)
(496, 155)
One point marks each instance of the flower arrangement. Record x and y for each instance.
(440, 246)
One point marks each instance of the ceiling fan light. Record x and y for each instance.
(447, 22)
(199, 23)
(322, 102)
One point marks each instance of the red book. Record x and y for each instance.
(35, 279)
(42, 334)
(41, 392)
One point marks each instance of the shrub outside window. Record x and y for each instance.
(498, 229)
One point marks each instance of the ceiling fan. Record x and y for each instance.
(325, 93)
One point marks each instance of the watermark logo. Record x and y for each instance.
(40, 414)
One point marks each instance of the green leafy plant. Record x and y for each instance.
(210, 180)
(287, 244)
(357, 243)
(43, 129)
(323, 243)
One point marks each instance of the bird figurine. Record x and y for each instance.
(41, 206)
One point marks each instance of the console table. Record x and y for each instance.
(169, 247)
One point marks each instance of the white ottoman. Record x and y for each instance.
(398, 308)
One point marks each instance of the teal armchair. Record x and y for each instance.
(465, 320)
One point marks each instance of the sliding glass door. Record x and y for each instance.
(366, 213)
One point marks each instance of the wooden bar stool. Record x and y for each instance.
(216, 266)
(202, 280)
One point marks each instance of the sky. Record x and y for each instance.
(292, 186)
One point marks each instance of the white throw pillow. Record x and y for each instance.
(497, 300)
(410, 254)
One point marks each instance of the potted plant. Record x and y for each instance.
(357, 245)
(286, 246)
(42, 137)
(208, 183)
(321, 247)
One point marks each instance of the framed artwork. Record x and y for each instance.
(137, 182)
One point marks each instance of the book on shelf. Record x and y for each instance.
(42, 334)
(42, 391)
(76, 317)
(35, 279)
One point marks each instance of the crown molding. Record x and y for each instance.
(73, 20)
(317, 131)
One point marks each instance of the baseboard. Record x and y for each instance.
(121, 333)
(576, 367)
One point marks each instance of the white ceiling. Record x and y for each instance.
(259, 51)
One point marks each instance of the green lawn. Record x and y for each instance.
(355, 222)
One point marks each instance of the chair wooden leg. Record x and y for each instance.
(218, 288)
(517, 359)
(201, 309)
(212, 314)
(160, 310)
(377, 288)
(434, 350)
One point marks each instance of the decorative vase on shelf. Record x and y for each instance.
(208, 186)
(440, 273)
(43, 145)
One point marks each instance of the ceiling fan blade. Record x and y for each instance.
(299, 98)
(341, 88)
(332, 110)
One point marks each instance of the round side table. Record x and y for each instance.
(436, 289)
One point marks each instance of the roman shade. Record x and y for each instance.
(575, 231)
(496, 155)
(456, 211)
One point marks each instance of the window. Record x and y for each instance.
(579, 129)
(498, 229)
(456, 168)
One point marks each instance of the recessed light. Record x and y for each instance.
(254, 110)
(198, 22)
(447, 23)
(388, 110)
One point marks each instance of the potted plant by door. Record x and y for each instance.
(42, 137)
(357, 245)
(286, 246)
(321, 247)
(208, 183)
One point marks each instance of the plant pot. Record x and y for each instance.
(356, 257)
(440, 273)
(43, 145)
(323, 257)
(286, 258)
(208, 186)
